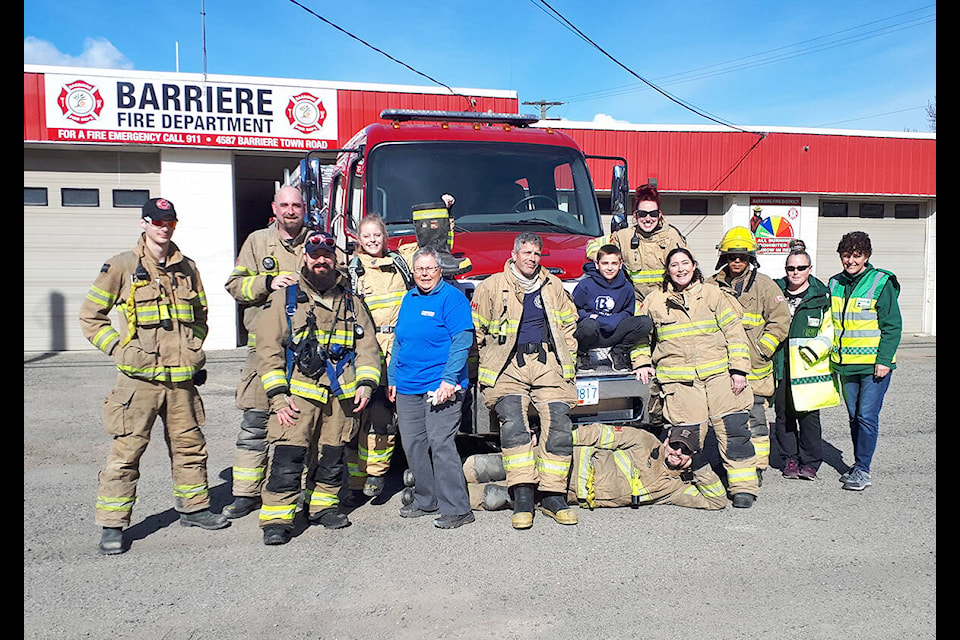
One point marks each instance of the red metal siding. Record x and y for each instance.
(34, 116)
(357, 109)
(780, 163)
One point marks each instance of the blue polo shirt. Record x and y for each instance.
(426, 329)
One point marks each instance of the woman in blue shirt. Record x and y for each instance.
(427, 379)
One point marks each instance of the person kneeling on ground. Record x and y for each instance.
(616, 467)
(606, 302)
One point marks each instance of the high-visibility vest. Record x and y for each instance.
(855, 321)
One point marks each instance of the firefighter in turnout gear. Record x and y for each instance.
(159, 356)
(525, 321)
(269, 260)
(766, 320)
(616, 466)
(380, 278)
(645, 245)
(319, 363)
(702, 359)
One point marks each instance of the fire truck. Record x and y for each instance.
(506, 176)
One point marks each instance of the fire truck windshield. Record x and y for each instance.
(497, 186)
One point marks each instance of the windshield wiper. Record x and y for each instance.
(535, 222)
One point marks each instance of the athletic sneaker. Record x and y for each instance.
(808, 473)
(792, 470)
(858, 480)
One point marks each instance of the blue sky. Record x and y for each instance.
(850, 64)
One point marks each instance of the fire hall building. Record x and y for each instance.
(98, 142)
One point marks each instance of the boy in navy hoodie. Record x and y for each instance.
(606, 302)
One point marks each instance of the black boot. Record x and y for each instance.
(523, 496)
(275, 534)
(331, 519)
(111, 541)
(241, 506)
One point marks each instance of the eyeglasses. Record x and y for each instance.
(801, 268)
(425, 269)
(318, 243)
(171, 224)
(647, 214)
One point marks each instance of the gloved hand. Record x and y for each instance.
(199, 377)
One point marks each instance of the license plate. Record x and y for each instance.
(588, 392)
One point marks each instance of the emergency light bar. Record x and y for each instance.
(405, 115)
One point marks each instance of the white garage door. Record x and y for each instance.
(65, 246)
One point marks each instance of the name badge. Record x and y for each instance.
(813, 322)
(863, 303)
(427, 313)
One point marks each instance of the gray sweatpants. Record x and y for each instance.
(428, 435)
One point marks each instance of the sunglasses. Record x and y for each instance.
(801, 268)
(682, 448)
(317, 243)
(171, 224)
(738, 257)
(647, 214)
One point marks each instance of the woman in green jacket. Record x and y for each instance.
(801, 367)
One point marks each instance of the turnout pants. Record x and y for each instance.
(376, 441)
(700, 403)
(129, 413)
(317, 442)
(250, 455)
(542, 460)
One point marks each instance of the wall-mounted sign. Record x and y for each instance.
(104, 109)
(774, 222)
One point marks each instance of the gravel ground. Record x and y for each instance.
(808, 560)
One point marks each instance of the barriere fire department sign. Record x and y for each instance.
(129, 110)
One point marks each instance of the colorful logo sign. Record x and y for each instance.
(306, 113)
(80, 101)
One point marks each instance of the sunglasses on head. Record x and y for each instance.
(801, 268)
(647, 214)
(172, 224)
(318, 243)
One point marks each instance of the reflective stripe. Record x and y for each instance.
(713, 490)
(553, 467)
(187, 491)
(376, 455)
(115, 504)
(322, 499)
(249, 474)
(278, 512)
(518, 460)
(742, 476)
(160, 374)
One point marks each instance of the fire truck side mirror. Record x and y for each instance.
(619, 188)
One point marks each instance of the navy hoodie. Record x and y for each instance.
(611, 301)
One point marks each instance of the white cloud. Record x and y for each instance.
(98, 53)
(605, 120)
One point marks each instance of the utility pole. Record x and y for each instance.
(543, 104)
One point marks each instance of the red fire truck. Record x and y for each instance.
(506, 177)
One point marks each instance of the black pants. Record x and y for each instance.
(797, 433)
(629, 333)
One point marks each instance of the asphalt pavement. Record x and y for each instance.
(809, 560)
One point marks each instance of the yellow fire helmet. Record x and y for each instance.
(737, 240)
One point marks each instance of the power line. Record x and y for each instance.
(656, 88)
(383, 53)
(749, 61)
